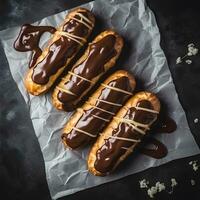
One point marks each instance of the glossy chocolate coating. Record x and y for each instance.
(99, 54)
(29, 38)
(94, 125)
(109, 153)
(59, 52)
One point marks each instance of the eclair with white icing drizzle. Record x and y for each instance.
(100, 56)
(124, 133)
(62, 47)
(88, 121)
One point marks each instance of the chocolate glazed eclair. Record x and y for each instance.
(124, 133)
(89, 120)
(100, 55)
(63, 46)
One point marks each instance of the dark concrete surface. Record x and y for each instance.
(22, 173)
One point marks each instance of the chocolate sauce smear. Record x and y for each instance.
(29, 38)
(93, 125)
(165, 124)
(159, 150)
(99, 54)
(59, 52)
(113, 148)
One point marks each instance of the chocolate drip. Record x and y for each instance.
(99, 54)
(29, 38)
(59, 52)
(158, 151)
(113, 148)
(94, 125)
(165, 124)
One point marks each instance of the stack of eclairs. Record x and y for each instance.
(114, 119)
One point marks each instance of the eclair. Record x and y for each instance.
(88, 121)
(124, 133)
(100, 56)
(63, 46)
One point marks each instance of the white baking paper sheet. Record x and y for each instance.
(66, 171)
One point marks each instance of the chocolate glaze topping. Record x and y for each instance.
(94, 125)
(29, 38)
(59, 52)
(113, 148)
(99, 54)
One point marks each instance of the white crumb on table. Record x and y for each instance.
(159, 187)
(194, 164)
(196, 120)
(173, 182)
(192, 182)
(188, 61)
(191, 51)
(178, 60)
(144, 183)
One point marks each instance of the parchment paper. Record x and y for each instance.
(66, 171)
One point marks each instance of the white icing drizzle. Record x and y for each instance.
(146, 126)
(106, 120)
(146, 109)
(65, 90)
(108, 102)
(116, 89)
(135, 125)
(87, 22)
(125, 139)
(85, 18)
(85, 79)
(127, 149)
(111, 113)
(73, 37)
(139, 127)
(84, 132)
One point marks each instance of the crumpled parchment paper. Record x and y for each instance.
(66, 170)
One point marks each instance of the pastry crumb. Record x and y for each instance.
(173, 182)
(192, 51)
(178, 60)
(194, 164)
(159, 187)
(196, 120)
(144, 183)
(192, 182)
(190, 45)
(188, 61)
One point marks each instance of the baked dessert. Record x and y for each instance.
(100, 55)
(63, 46)
(90, 120)
(124, 133)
